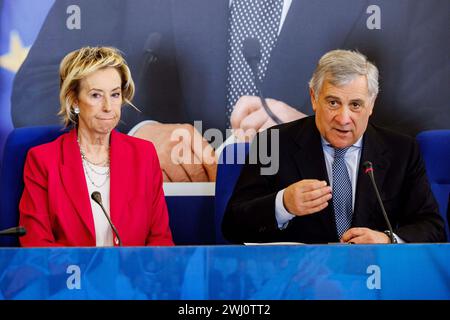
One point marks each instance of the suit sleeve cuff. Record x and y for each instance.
(139, 125)
(281, 214)
(399, 240)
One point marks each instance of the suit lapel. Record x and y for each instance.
(309, 156)
(365, 203)
(74, 181)
(310, 163)
(120, 175)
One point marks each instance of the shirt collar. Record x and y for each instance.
(356, 146)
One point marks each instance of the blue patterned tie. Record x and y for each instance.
(255, 19)
(342, 192)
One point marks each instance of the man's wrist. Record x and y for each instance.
(281, 214)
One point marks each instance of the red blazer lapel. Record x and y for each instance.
(121, 168)
(74, 181)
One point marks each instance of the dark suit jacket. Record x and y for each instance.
(188, 80)
(399, 174)
(55, 207)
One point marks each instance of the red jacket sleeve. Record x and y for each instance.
(34, 206)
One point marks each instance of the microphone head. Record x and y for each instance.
(21, 231)
(97, 197)
(153, 42)
(368, 167)
(151, 47)
(251, 49)
(14, 231)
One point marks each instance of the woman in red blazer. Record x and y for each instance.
(56, 206)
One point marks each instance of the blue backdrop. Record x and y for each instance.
(20, 21)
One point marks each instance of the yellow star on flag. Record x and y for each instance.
(13, 59)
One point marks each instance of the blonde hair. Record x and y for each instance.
(79, 64)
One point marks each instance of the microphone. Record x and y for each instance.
(149, 56)
(251, 50)
(368, 169)
(151, 47)
(14, 231)
(97, 197)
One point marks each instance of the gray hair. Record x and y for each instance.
(339, 67)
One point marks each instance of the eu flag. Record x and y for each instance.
(20, 22)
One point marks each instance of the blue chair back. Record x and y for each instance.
(11, 178)
(435, 148)
(191, 218)
(229, 168)
(448, 213)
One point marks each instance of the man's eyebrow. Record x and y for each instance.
(332, 97)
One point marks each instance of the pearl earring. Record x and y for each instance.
(76, 110)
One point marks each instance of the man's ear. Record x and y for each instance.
(313, 99)
(372, 104)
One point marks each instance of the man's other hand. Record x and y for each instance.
(249, 117)
(364, 235)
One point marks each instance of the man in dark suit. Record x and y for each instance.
(188, 79)
(320, 193)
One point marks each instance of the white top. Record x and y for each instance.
(103, 231)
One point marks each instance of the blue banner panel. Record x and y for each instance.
(369, 272)
(20, 22)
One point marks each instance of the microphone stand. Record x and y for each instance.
(97, 197)
(251, 50)
(369, 170)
